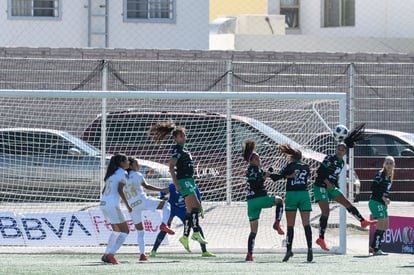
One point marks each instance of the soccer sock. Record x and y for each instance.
(289, 240)
(203, 246)
(195, 212)
(308, 235)
(111, 241)
(250, 243)
(140, 241)
(279, 211)
(119, 241)
(166, 210)
(376, 242)
(352, 209)
(158, 240)
(323, 224)
(187, 224)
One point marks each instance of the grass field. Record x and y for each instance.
(195, 264)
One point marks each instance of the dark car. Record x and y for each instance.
(52, 165)
(369, 156)
(206, 140)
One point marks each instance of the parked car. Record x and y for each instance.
(206, 140)
(369, 156)
(52, 165)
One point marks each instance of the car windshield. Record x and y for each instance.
(90, 150)
(409, 137)
(273, 134)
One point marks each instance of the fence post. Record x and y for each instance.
(229, 85)
(351, 126)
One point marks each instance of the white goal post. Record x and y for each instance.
(52, 173)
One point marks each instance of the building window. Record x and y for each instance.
(338, 13)
(150, 10)
(34, 8)
(290, 9)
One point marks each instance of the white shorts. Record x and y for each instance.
(144, 203)
(113, 214)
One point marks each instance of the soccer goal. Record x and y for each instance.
(54, 147)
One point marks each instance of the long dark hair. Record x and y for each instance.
(294, 154)
(355, 135)
(159, 131)
(114, 164)
(248, 149)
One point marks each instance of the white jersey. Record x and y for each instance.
(111, 195)
(133, 189)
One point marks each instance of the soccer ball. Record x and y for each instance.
(340, 132)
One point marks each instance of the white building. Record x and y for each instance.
(142, 24)
(331, 26)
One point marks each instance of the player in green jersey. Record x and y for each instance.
(379, 201)
(297, 196)
(257, 197)
(182, 170)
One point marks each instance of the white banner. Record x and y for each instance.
(10, 229)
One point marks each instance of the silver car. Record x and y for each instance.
(52, 165)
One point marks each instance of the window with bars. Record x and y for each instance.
(338, 13)
(150, 10)
(34, 8)
(290, 9)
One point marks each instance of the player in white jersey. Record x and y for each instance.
(139, 201)
(112, 193)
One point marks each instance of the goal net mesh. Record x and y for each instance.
(52, 163)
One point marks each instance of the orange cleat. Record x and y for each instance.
(109, 258)
(143, 258)
(276, 226)
(167, 229)
(249, 257)
(366, 223)
(322, 244)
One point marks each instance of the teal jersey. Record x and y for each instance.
(330, 169)
(381, 186)
(300, 181)
(255, 182)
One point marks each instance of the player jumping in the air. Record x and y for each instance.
(326, 185)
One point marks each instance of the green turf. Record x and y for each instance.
(171, 264)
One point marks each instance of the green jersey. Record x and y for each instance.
(329, 169)
(184, 167)
(380, 187)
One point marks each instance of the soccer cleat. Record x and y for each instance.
(197, 237)
(366, 223)
(207, 254)
(310, 255)
(379, 252)
(167, 229)
(184, 241)
(288, 254)
(322, 244)
(276, 226)
(249, 257)
(143, 258)
(110, 258)
(153, 253)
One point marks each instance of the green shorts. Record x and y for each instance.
(378, 210)
(255, 206)
(323, 194)
(298, 200)
(188, 186)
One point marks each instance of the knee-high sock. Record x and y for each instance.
(250, 242)
(289, 240)
(159, 239)
(203, 246)
(308, 235)
(187, 224)
(166, 211)
(376, 242)
(111, 241)
(352, 209)
(195, 212)
(140, 241)
(279, 211)
(323, 224)
(119, 241)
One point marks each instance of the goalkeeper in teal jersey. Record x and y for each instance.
(257, 197)
(326, 188)
(297, 196)
(379, 201)
(181, 170)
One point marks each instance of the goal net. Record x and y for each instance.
(54, 147)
